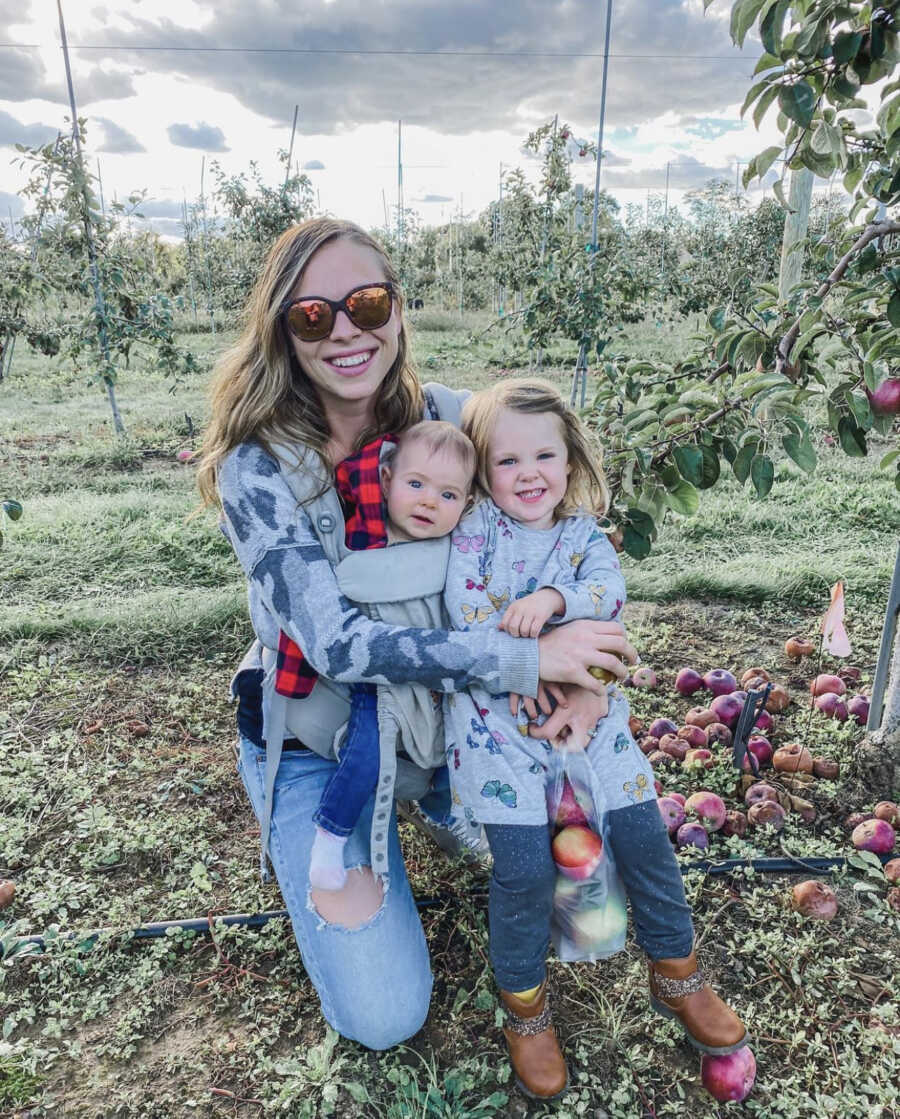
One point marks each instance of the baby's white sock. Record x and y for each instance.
(326, 864)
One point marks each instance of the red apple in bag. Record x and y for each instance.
(577, 852)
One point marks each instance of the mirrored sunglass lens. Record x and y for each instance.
(310, 319)
(370, 307)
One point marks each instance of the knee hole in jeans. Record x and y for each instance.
(345, 910)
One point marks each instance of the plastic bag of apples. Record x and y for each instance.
(589, 918)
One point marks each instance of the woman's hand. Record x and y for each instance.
(574, 724)
(567, 652)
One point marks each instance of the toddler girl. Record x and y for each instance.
(532, 554)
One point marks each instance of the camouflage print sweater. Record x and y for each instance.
(291, 586)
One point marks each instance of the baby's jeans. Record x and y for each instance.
(521, 892)
(356, 776)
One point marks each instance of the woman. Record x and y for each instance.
(321, 368)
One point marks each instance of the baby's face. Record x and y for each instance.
(425, 493)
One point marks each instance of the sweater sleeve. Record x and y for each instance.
(598, 589)
(290, 579)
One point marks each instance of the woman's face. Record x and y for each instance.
(350, 364)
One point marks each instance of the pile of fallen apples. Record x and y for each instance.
(708, 729)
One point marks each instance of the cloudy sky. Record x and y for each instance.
(164, 82)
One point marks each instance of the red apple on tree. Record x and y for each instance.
(885, 400)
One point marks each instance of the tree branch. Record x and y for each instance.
(870, 233)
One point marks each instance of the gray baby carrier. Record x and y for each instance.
(400, 585)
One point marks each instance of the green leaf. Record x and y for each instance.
(852, 437)
(13, 509)
(635, 545)
(765, 159)
(689, 461)
(743, 14)
(711, 467)
(762, 474)
(762, 105)
(729, 450)
(890, 457)
(798, 102)
(771, 27)
(893, 310)
(778, 189)
(741, 464)
(683, 499)
(801, 451)
(640, 521)
(846, 44)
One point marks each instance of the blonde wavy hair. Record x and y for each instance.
(260, 391)
(587, 490)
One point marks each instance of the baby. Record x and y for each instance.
(425, 482)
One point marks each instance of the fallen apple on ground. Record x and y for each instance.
(719, 681)
(680, 797)
(814, 899)
(827, 768)
(708, 808)
(7, 892)
(874, 835)
(892, 870)
(792, 758)
(755, 674)
(767, 812)
(672, 813)
(661, 727)
(735, 823)
(688, 681)
(700, 717)
(857, 818)
(758, 793)
(635, 726)
(826, 683)
(699, 758)
(893, 898)
(719, 734)
(831, 704)
(858, 709)
(693, 735)
(692, 835)
(676, 748)
(887, 810)
(731, 1077)
(648, 744)
(727, 708)
(761, 748)
(644, 678)
(778, 700)
(577, 852)
(797, 647)
(764, 722)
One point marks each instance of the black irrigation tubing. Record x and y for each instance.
(788, 865)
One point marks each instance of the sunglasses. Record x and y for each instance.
(312, 319)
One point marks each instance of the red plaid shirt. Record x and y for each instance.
(358, 481)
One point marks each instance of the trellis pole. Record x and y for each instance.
(287, 170)
(400, 198)
(581, 364)
(189, 253)
(204, 248)
(99, 303)
(795, 226)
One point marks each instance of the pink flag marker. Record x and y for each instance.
(835, 639)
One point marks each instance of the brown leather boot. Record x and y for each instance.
(678, 990)
(536, 1058)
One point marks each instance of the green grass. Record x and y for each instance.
(120, 623)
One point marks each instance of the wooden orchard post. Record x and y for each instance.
(795, 226)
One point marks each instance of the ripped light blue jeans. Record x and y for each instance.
(374, 982)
